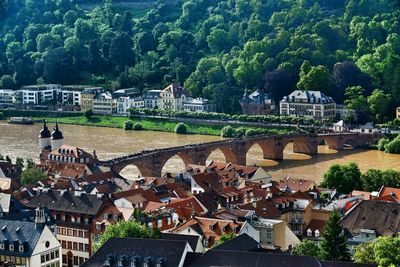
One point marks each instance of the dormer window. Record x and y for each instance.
(223, 229)
(105, 216)
(1, 245)
(309, 232)
(21, 248)
(11, 247)
(316, 233)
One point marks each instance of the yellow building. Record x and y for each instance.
(87, 97)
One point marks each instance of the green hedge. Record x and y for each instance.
(222, 116)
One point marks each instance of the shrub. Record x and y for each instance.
(88, 113)
(240, 132)
(181, 128)
(251, 132)
(228, 131)
(393, 146)
(137, 126)
(128, 125)
(382, 144)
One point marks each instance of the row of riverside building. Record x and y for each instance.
(56, 221)
(308, 104)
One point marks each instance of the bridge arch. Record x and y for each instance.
(228, 152)
(174, 164)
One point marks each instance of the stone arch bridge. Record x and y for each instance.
(151, 162)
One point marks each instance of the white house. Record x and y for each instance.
(151, 99)
(308, 104)
(172, 97)
(197, 105)
(340, 126)
(29, 244)
(104, 103)
(125, 103)
(38, 94)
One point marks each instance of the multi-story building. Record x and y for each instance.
(71, 97)
(197, 105)
(257, 103)
(87, 97)
(398, 113)
(29, 244)
(74, 213)
(172, 97)
(7, 96)
(308, 104)
(38, 94)
(104, 104)
(125, 103)
(344, 112)
(151, 99)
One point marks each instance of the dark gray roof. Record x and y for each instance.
(217, 257)
(345, 264)
(139, 250)
(383, 217)
(19, 233)
(67, 202)
(242, 242)
(191, 239)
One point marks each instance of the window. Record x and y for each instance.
(57, 254)
(11, 247)
(80, 247)
(21, 248)
(269, 233)
(86, 247)
(105, 216)
(98, 227)
(1, 246)
(42, 259)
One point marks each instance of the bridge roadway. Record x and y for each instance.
(151, 162)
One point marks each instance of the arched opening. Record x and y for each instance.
(255, 157)
(173, 166)
(323, 148)
(216, 155)
(349, 144)
(131, 172)
(289, 154)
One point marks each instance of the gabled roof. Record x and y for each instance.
(68, 202)
(19, 233)
(296, 184)
(192, 240)
(170, 252)
(383, 217)
(186, 208)
(241, 242)
(215, 257)
(176, 90)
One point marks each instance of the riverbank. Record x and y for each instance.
(150, 124)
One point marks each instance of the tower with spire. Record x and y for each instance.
(44, 137)
(57, 139)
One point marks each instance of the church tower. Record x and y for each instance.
(44, 137)
(57, 139)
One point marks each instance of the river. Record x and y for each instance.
(22, 141)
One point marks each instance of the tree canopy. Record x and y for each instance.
(216, 48)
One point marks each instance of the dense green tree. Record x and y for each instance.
(7, 82)
(31, 176)
(379, 104)
(383, 251)
(334, 242)
(356, 100)
(126, 229)
(344, 178)
(58, 67)
(306, 248)
(317, 78)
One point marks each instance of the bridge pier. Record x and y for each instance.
(309, 147)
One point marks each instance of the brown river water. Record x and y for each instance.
(22, 141)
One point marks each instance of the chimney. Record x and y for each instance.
(39, 218)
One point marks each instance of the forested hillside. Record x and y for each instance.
(217, 49)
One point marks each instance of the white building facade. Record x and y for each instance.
(308, 104)
(126, 103)
(38, 94)
(104, 104)
(7, 96)
(151, 99)
(172, 98)
(197, 105)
